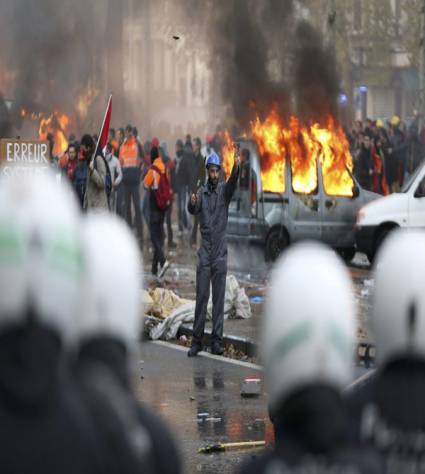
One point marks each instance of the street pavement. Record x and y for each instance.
(200, 399)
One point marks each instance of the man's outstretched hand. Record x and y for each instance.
(193, 199)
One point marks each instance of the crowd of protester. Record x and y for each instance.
(126, 178)
(385, 153)
(123, 180)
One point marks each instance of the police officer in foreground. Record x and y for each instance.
(391, 405)
(211, 203)
(109, 331)
(308, 348)
(44, 425)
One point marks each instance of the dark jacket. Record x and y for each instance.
(312, 435)
(212, 205)
(45, 426)
(388, 412)
(80, 181)
(398, 154)
(364, 168)
(415, 153)
(184, 170)
(109, 354)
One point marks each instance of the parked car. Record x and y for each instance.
(275, 220)
(405, 209)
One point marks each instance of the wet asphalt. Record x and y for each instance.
(200, 399)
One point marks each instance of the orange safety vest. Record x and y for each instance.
(115, 146)
(129, 153)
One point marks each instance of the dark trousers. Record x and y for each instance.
(195, 229)
(120, 201)
(156, 223)
(181, 208)
(132, 194)
(215, 274)
(168, 215)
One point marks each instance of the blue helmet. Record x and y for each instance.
(213, 159)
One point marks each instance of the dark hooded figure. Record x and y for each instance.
(307, 351)
(388, 411)
(109, 341)
(45, 426)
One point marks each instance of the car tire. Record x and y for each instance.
(276, 243)
(348, 254)
(379, 240)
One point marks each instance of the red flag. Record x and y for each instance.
(103, 135)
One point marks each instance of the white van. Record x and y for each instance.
(405, 209)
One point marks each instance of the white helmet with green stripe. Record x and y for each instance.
(114, 279)
(309, 324)
(40, 253)
(398, 317)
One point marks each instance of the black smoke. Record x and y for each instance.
(50, 48)
(241, 51)
(315, 77)
(263, 56)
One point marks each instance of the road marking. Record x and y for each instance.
(207, 355)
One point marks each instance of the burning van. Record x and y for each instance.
(295, 184)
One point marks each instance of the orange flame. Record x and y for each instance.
(303, 153)
(336, 159)
(305, 146)
(228, 154)
(56, 124)
(268, 136)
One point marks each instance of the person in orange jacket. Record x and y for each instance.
(157, 215)
(131, 168)
(114, 142)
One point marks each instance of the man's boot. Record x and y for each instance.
(217, 348)
(194, 350)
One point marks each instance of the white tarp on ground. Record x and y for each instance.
(236, 306)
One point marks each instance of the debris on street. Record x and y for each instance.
(174, 311)
(251, 387)
(220, 447)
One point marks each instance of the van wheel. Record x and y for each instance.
(276, 243)
(348, 254)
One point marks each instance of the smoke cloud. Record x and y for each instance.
(50, 48)
(315, 79)
(263, 56)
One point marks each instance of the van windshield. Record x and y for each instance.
(408, 184)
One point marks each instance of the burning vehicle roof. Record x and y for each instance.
(301, 146)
